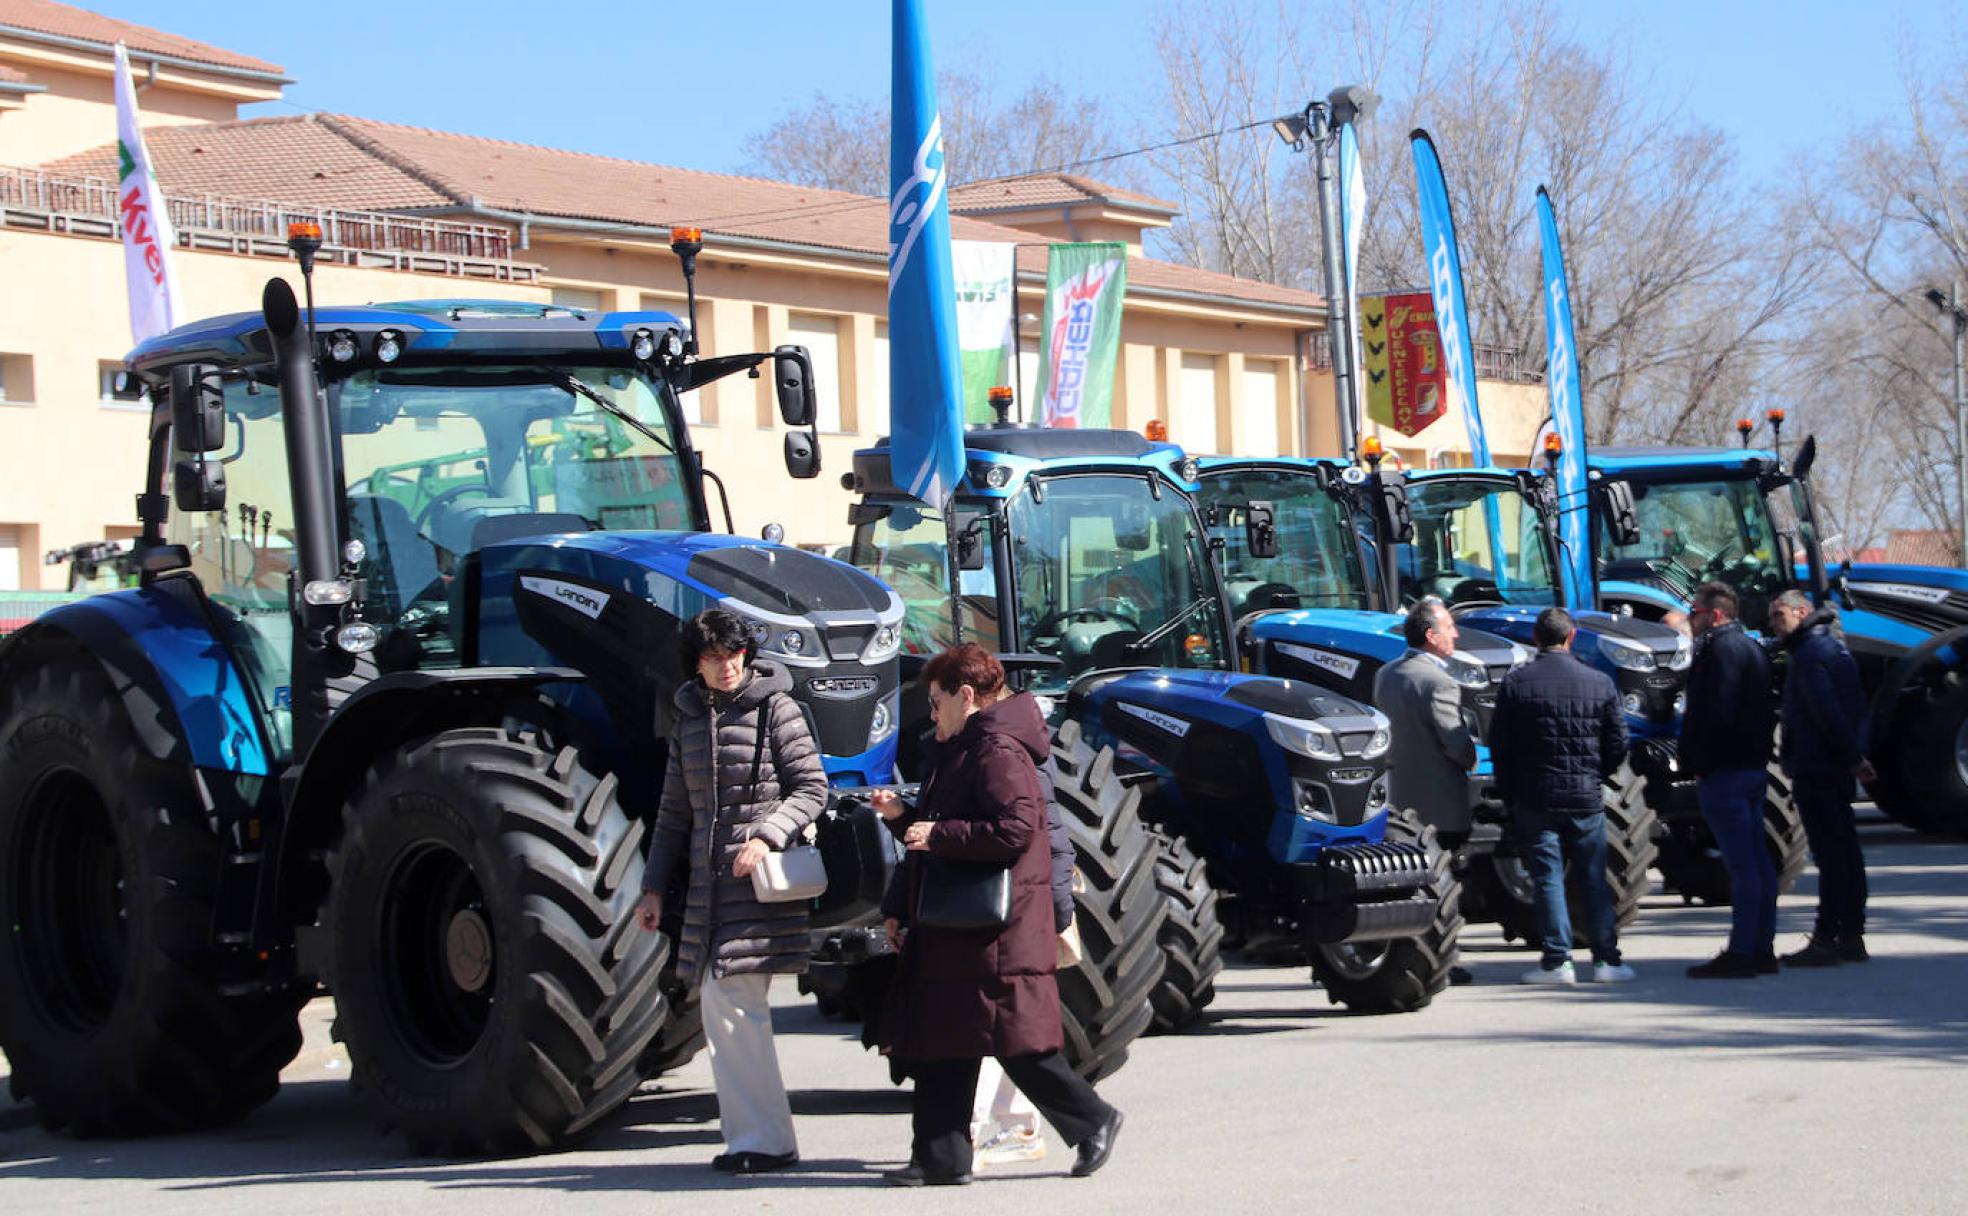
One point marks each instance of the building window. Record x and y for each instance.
(583, 299)
(1028, 406)
(16, 379)
(820, 335)
(10, 556)
(116, 385)
(1194, 422)
(875, 421)
(1260, 406)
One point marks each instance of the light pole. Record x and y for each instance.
(1951, 305)
(1319, 125)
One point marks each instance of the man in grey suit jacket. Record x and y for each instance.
(1433, 750)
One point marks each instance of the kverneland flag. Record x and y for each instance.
(147, 235)
(985, 307)
(1086, 286)
(1402, 366)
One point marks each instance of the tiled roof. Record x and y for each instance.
(66, 21)
(1047, 189)
(1921, 547)
(336, 160)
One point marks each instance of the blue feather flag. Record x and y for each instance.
(1438, 238)
(925, 361)
(1561, 378)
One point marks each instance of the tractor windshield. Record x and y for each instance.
(1691, 532)
(1476, 541)
(440, 461)
(908, 548)
(1108, 575)
(1318, 560)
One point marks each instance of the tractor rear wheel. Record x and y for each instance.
(112, 1010)
(1191, 938)
(682, 1035)
(1925, 771)
(1691, 866)
(492, 986)
(1119, 909)
(1405, 974)
(1504, 892)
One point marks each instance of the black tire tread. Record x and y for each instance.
(1412, 970)
(1191, 938)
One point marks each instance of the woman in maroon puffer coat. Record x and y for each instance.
(961, 995)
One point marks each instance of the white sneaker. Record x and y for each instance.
(1561, 974)
(1009, 1146)
(1611, 973)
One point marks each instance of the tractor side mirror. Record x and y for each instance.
(802, 455)
(1260, 530)
(197, 408)
(199, 485)
(1806, 457)
(969, 533)
(1622, 520)
(792, 378)
(1401, 528)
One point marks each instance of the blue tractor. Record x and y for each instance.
(1747, 518)
(1080, 553)
(384, 716)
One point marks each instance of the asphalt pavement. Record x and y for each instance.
(1841, 1090)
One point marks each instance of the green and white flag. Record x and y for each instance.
(985, 308)
(147, 235)
(1086, 285)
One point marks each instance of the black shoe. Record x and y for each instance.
(753, 1163)
(1766, 963)
(1458, 976)
(1727, 965)
(914, 1175)
(1815, 953)
(1095, 1150)
(1851, 948)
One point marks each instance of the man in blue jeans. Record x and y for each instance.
(1556, 735)
(1725, 743)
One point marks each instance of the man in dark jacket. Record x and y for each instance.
(1556, 736)
(1725, 743)
(1825, 726)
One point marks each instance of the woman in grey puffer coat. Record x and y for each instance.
(743, 778)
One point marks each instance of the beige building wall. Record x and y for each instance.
(1512, 413)
(78, 110)
(71, 461)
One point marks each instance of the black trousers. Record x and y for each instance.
(946, 1088)
(1824, 802)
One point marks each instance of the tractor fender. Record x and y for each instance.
(187, 698)
(382, 713)
(1950, 649)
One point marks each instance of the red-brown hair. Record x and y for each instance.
(966, 664)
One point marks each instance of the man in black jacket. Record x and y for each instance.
(1725, 743)
(1556, 736)
(1824, 735)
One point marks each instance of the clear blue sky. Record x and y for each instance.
(665, 83)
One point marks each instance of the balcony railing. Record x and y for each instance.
(87, 206)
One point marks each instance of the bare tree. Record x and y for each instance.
(843, 144)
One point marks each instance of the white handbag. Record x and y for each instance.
(789, 876)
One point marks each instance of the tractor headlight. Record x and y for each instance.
(884, 724)
(1683, 656)
(389, 346)
(1629, 655)
(354, 552)
(792, 642)
(1313, 802)
(998, 476)
(1467, 670)
(327, 592)
(887, 640)
(1189, 469)
(342, 347)
(1381, 741)
(672, 344)
(643, 346)
(1377, 795)
(1305, 737)
(358, 638)
(1680, 703)
(1632, 704)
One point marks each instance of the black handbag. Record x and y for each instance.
(964, 895)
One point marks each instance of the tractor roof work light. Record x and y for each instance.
(1156, 430)
(1743, 427)
(1554, 447)
(1371, 450)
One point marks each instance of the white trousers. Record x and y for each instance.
(998, 1101)
(753, 1111)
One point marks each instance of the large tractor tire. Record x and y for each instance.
(1405, 974)
(1691, 866)
(682, 1034)
(112, 1011)
(492, 986)
(1924, 769)
(1118, 907)
(1502, 886)
(1191, 938)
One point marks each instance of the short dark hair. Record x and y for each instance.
(715, 629)
(1554, 628)
(1718, 596)
(1421, 619)
(969, 664)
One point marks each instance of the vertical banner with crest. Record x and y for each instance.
(1401, 361)
(1086, 288)
(925, 368)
